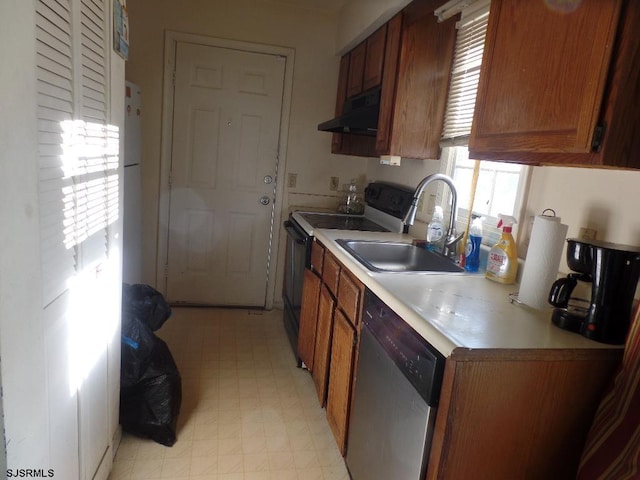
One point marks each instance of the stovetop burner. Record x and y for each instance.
(342, 222)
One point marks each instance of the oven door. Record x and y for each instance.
(298, 257)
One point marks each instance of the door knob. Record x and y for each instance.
(265, 200)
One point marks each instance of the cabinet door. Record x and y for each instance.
(543, 77)
(357, 58)
(374, 59)
(389, 78)
(422, 83)
(494, 402)
(308, 318)
(340, 376)
(324, 330)
(317, 257)
(343, 79)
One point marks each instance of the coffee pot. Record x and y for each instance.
(596, 299)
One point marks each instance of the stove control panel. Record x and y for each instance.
(388, 197)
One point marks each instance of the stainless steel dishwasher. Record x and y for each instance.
(398, 384)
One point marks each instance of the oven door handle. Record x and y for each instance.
(294, 233)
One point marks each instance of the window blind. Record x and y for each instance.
(465, 73)
(78, 151)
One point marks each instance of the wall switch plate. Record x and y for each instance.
(291, 180)
(334, 182)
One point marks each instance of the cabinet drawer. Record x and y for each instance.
(331, 273)
(349, 295)
(317, 257)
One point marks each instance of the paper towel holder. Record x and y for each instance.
(547, 240)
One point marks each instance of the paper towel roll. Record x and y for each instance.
(543, 260)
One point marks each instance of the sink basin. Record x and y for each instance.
(397, 257)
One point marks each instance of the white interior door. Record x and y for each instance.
(226, 127)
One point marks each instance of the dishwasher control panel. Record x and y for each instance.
(420, 362)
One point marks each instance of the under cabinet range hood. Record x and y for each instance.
(359, 116)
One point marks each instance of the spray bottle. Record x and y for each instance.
(502, 265)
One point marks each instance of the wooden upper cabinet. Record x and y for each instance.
(549, 84)
(374, 59)
(365, 63)
(410, 58)
(389, 78)
(357, 58)
(421, 85)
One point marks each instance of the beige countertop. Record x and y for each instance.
(457, 310)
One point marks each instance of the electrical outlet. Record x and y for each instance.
(588, 233)
(334, 182)
(291, 180)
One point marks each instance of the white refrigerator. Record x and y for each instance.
(132, 202)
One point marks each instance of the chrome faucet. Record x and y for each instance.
(451, 241)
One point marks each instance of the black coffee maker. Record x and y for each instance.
(604, 312)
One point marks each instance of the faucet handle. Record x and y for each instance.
(450, 245)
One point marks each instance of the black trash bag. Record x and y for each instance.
(146, 303)
(150, 385)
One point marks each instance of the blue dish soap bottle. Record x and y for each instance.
(472, 252)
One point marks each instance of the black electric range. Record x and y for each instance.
(385, 207)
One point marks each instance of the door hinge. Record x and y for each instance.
(598, 135)
(173, 78)
(166, 270)
(170, 181)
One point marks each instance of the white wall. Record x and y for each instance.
(607, 200)
(311, 33)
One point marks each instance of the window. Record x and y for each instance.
(484, 188)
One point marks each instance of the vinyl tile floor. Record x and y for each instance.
(247, 412)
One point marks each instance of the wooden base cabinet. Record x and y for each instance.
(312, 281)
(511, 414)
(343, 352)
(309, 318)
(328, 337)
(324, 332)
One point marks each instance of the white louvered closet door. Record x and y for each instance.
(78, 188)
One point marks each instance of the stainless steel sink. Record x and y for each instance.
(397, 257)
